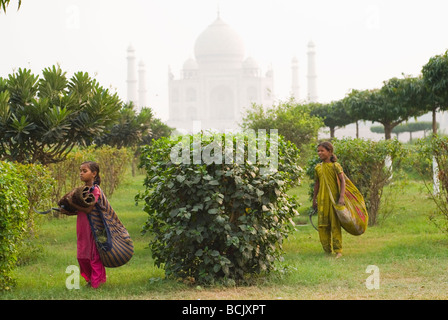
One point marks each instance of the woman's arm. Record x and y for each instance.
(342, 183)
(316, 190)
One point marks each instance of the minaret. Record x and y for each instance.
(141, 85)
(295, 78)
(312, 76)
(132, 76)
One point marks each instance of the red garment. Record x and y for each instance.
(92, 269)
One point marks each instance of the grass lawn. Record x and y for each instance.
(410, 253)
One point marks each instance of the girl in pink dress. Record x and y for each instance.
(92, 269)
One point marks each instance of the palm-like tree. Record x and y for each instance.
(42, 119)
(5, 3)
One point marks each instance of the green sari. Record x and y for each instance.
(329, 226)
(325, 172)
(353, 216)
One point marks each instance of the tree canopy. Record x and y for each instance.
(5, 3)
(435, 77)
(292, 120)
(395, 102)
(334, 115)
(42, 119)
(406, 127)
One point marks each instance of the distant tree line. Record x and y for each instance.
(410, 127)
(398, 100)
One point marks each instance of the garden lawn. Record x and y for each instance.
(410, 253)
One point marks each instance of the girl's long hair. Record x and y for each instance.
(327, 145)
(94, 167)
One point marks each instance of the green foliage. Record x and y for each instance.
(66, 172)
(435, 76)
(365, 164)
(40, 185)
(42, 119)
(334, 114)
(408, 249)
(309, 171)
(406, 127)
(39, 189)
(13, 212)
(396, 101)
(131, 128)
(293, 121)
(429, 150)
(113, 164)
(158, 130)
(5, 3)
(217, 221)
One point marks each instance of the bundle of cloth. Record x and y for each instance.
(79, 196)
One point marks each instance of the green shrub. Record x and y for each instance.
(213, 221)
(295, 121)
(13, 212)
(113, 164)
(417, 164)
(436, 149)
(40, 185)
(66, 173)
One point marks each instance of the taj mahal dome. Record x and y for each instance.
(217, 84)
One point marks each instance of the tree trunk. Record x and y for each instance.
(357, 130)
(332, 129)
(434, 122)
(388, 131)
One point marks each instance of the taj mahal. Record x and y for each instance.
(219, 83)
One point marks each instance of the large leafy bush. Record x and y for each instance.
(39, 184)
(370, 164)
(212, 220)
(13, 213)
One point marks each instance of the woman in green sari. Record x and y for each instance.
(329, 173)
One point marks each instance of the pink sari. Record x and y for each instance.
(92, 269)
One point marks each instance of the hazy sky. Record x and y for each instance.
(359, 43)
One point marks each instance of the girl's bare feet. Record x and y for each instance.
(338, 255)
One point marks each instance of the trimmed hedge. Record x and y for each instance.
(435, 149)
(14, 208)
